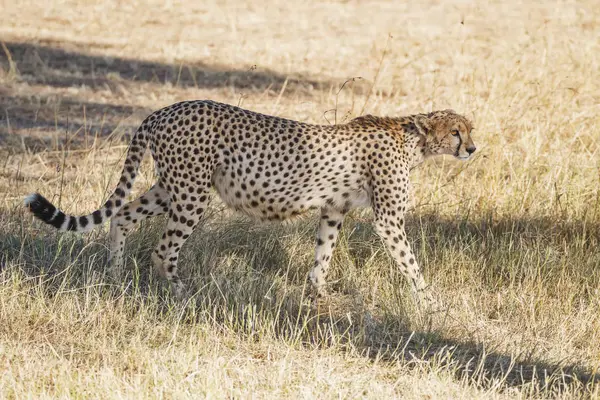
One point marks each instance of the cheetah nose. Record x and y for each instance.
(471, 149)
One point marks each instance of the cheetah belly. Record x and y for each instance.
(278, 198)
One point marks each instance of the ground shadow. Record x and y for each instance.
(52, 66)
(491, 238)
(40, 123)
(41, 118)
(379, 338)
(556, 228)
(253, 250)
(474, 363)
(226, 252)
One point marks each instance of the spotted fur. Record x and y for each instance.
(274, 169)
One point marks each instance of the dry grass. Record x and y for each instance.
(510, 239)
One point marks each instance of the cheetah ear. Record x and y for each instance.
(423, 125)
(424, 128)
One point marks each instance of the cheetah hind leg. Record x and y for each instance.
(329, 228)
(183, 218)
(152, 203)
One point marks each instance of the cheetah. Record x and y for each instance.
(273, 169)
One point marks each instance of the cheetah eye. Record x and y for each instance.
(455, 132)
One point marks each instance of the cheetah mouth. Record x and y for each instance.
(460, 156)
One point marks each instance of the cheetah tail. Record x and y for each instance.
(47, 212)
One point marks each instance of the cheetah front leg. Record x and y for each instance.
(390, 199)
(329, 227)
(391, 230)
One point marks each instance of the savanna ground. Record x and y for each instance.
(509, 239)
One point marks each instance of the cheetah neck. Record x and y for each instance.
(415, 148)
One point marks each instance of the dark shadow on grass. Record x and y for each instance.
(41, 119)
(479, 366)
(246, 249)
(259, 258)
(58, 67)
(484, 240)
(44, 122)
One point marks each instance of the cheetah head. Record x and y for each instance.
(446, 132)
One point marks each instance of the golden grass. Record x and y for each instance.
(509, 239)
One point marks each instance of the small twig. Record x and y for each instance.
(283, 87)
(64, 162)
(248, 80)
(325, 114)
(377, 73)
(337, 95)
(242, 97)
(179, 75)
(85, 130)
(334, 110)
(192, 73)
(12, 67)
